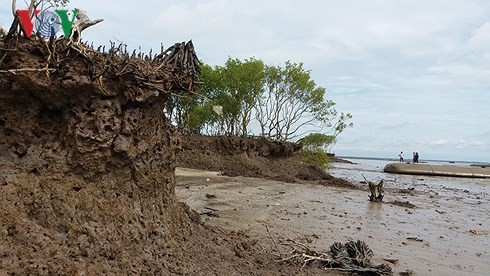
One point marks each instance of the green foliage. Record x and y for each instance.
(314, 149)
(316, 157)
(61, 3)
(42, 4)
(317, 141)
(234, 86)
(284, 100)
(292, 102)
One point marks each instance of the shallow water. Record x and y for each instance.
(373, 171)
(452, 217)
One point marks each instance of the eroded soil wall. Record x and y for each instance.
(87, 177)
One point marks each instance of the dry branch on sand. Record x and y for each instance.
(352, 257)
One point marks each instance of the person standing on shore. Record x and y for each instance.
(416, 157)
(401, 156)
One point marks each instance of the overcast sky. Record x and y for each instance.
(415, 74)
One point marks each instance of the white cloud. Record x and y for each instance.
(439, 142)
(480, 41)
(485, 135)
(461, 144)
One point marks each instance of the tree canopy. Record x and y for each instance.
(292, 104)
(280, 102)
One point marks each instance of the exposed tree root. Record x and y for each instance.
(174, 69)
(376, 190)
(353, 257)
(23, 70)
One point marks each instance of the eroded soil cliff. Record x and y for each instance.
(254, 157)
(87, 163)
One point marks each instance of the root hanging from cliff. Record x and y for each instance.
(174, 69)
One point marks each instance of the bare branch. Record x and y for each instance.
(14, 7)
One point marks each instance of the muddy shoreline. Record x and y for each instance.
(437, 237)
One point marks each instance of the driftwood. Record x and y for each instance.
(352, 257)
(376, 190)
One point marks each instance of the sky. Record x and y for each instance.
(415, 74)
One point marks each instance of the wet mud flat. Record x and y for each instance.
(434, 231)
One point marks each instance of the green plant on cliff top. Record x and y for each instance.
(314, 149)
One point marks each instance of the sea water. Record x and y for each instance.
(372, 170)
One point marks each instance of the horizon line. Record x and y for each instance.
(396, 159)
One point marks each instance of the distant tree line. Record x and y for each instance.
(281, 102)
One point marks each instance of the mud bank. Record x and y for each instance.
(438, 233)
(254, 157)
(87, 178)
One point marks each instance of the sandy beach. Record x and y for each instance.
(445, 232)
